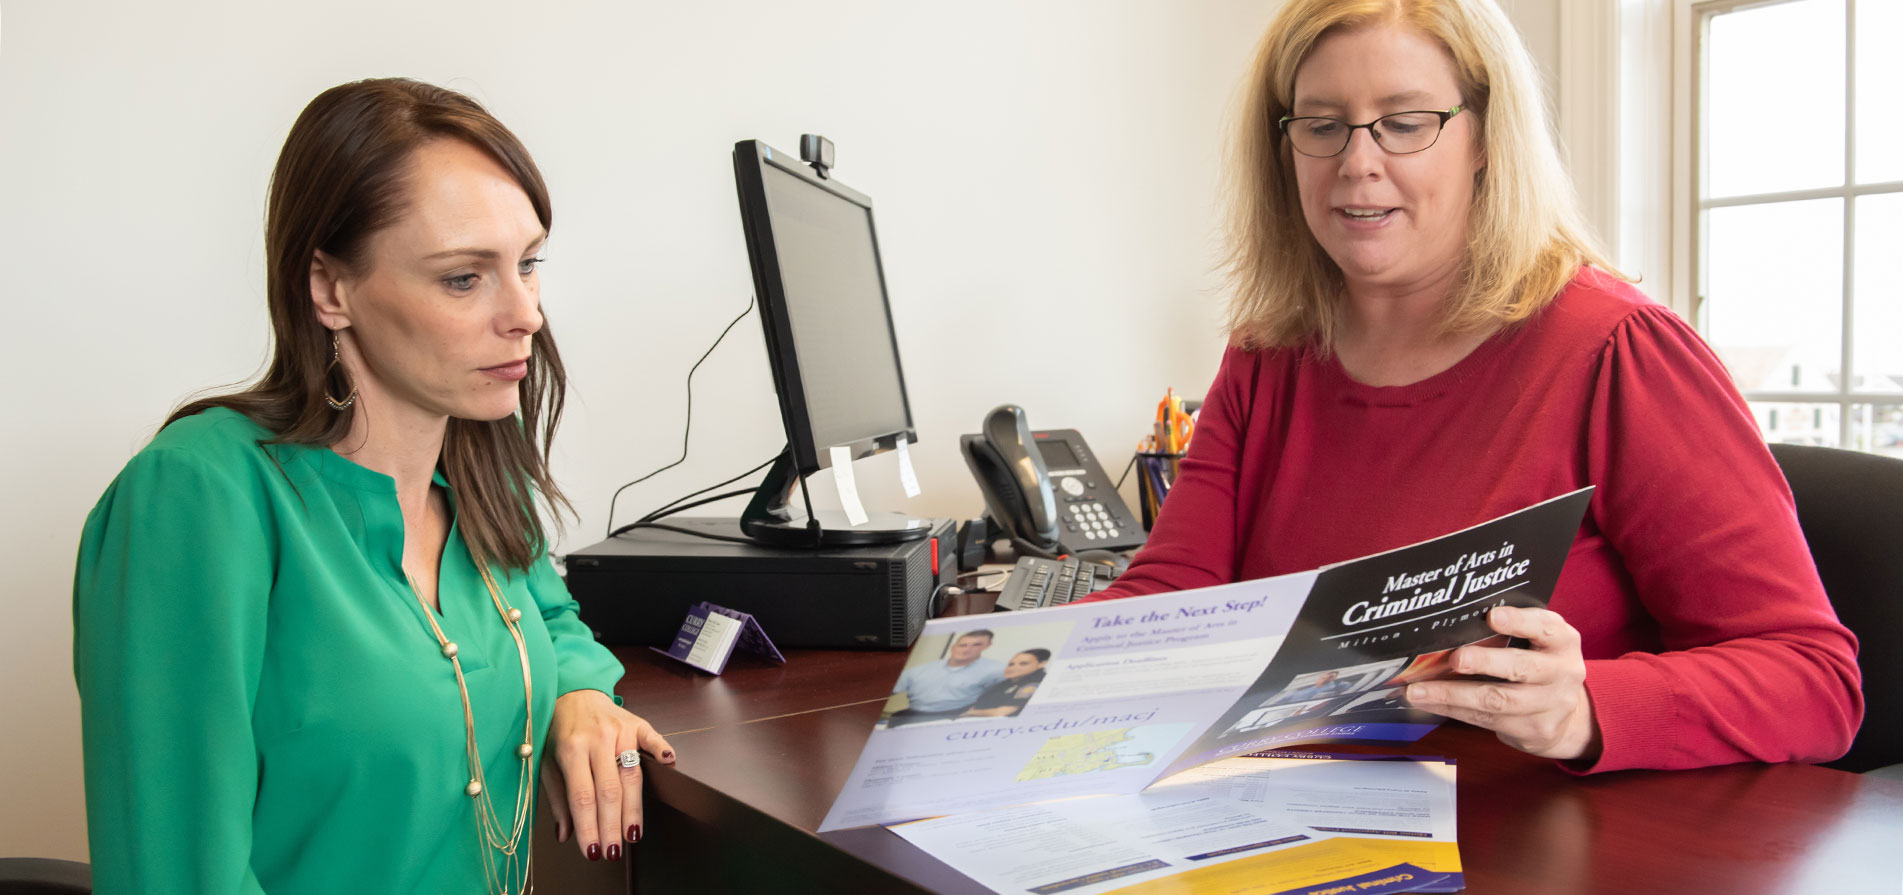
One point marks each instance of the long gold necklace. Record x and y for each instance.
(517, 864)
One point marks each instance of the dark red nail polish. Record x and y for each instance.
(614, 852)
(668, 755)
(634, 833)
(594, 852)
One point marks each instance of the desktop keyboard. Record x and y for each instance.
(1036, 583)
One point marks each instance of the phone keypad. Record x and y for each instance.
(1092, 519)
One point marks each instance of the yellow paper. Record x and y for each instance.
(1317, 866)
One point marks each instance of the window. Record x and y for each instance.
(1798, 196)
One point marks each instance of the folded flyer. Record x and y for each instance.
(1131, 691)
(1267, 823)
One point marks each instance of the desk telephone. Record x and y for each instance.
(1045, 488)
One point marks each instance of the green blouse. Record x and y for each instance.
(264, 706)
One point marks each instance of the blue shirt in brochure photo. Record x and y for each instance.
(941, 687)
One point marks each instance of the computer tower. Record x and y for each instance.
(635, 588)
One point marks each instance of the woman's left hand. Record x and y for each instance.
(1539, 705)
(593, 796)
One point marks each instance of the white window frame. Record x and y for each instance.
(1690, 27)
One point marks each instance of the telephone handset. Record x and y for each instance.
(1045, 488)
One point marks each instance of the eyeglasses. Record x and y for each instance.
(1399, 133)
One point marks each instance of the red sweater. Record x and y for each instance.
(1707, 634)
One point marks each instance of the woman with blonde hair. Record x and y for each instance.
(319, 643)
(1422, 337)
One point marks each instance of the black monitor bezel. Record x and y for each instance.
(750, 157)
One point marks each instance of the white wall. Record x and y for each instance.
(1539, 22)
(1045, 176)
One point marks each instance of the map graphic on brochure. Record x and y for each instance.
(1139, 689)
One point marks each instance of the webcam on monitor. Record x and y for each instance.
(817, 151)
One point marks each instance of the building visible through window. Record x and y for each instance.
(1799, 195)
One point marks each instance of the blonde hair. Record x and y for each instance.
(1526, 239)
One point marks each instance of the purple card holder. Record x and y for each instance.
(710, 634)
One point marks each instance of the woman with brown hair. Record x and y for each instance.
(319, 644)
(1423, 337)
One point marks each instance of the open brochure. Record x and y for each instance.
(1135, 690)
(1261, 824)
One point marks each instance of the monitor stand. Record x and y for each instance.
(769, 520)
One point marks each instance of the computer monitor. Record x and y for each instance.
(829, 341)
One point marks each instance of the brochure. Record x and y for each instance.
(1107, 698)
(1264, 823)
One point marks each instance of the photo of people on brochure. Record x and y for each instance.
(1390, 699)
(1354, 689)
(1439, 664)
(1273, 715)
(1335, 682)
(974, 674)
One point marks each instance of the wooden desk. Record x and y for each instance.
(763, 751)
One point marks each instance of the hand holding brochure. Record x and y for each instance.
(1136, 690)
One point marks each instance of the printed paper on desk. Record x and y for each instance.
(1310, 823)
(1386, 796)
(907, 475)
(848, 488)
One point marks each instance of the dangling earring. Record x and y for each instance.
(336, 357)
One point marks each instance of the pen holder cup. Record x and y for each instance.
(1156, 472)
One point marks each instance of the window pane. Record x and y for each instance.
(1877, 428)
(1812, 424)
(1878, 321)
(1774, 296)
(1774, 98)
(1879, 71)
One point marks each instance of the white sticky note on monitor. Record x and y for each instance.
(848, 488)
(907, 475)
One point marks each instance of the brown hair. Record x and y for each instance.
(1526, 239)
(339, 180)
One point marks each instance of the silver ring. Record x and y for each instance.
(629, 759)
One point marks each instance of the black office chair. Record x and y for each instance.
(1850, 506)
(44, 876)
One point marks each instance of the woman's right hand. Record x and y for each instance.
(593, 797)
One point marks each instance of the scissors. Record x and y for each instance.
(1177, 426)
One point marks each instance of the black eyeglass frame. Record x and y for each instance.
(1444, 117)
